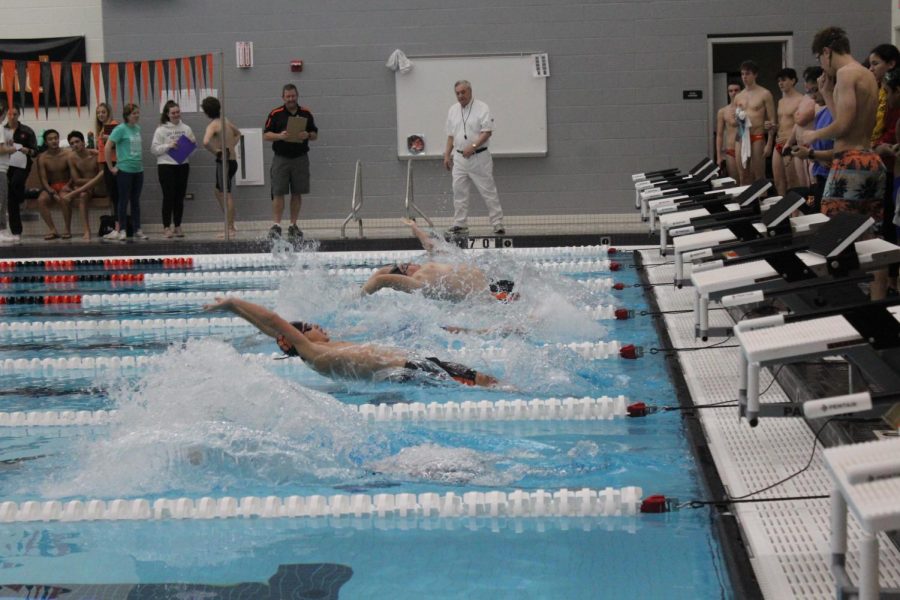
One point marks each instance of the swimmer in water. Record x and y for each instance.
(344, 359)
(439, 281)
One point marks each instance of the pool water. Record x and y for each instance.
(209, 417)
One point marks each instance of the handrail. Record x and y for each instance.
(408, 201)
(356, 203)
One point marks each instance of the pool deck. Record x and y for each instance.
(331, 235)
(786, 541)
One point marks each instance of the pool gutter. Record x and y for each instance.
(724, 524)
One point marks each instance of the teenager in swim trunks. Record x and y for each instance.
(855, 184)
(757, 106)
(349, 360)
(856, 180)
(55, 175)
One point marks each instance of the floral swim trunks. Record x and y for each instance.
(855, 184)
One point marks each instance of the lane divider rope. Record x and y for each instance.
(217, 261)
(586, 502)
(47, 366)
(538, 409)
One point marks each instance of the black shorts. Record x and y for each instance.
(232, 169)
(456, 371)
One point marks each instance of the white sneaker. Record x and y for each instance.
(140, 235)
(168, 233)
(114, 236)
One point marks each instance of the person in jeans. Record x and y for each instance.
(125, 141)
(20, 162)
(173, 176)
(103, 126)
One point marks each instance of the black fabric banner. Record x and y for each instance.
(46, 78)
(104, 75)
(179, 75)
(69, 49)
(22, 74)
(67, 85)
(138, 75)
(122, 83)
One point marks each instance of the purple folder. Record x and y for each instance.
(183, 148)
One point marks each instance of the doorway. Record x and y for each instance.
(771, 52)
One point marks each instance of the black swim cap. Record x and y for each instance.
(502, 286)
(302, 326)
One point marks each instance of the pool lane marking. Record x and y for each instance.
(538, 409)
(585, 502)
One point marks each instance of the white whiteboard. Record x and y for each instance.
(517, 99)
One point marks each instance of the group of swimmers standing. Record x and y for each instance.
(836, 144)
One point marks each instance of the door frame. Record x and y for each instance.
(787, 58)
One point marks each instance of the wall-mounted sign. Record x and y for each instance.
(692, 94)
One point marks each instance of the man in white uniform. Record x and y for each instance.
(469, 127)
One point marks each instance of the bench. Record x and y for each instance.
(99, 205)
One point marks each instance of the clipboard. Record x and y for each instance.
(295, 125)
(108, 128)
(182, 150)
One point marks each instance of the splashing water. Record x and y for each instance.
(444, 465)
(203, 419)
(549, 311)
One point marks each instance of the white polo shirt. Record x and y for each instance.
(466, 123)
(6, 136)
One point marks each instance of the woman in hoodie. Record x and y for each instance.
(173, 175)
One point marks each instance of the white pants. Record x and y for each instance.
(476, 171)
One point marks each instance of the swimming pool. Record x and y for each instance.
(423, 490)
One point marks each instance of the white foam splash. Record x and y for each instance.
(456, 466)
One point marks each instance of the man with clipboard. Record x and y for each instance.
(290, 128)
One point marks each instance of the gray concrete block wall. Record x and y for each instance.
(614, 95)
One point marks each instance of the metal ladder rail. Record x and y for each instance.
(408, 202)
(356, 203)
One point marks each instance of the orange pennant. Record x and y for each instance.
(198, 73)
(129, 74)
(95, 73)
(56, 70)
(145, 77)
(159, 79)
(76, 83)
(186, 67)
(113, 83)
(34, 82)
(9, 80)
(209, 70)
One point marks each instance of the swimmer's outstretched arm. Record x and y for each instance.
(401, 283)
(267, 321)
(424, 237)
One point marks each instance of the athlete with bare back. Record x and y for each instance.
(86, 175)
(756, 116)
(726, 133)
(857, 177)
(783, 170)
(53, 169)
